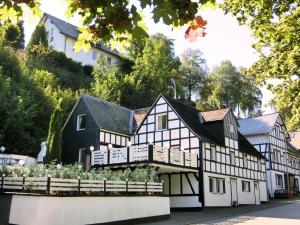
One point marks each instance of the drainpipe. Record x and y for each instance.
(65, 44)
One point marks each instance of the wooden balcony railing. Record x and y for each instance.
(145, 153)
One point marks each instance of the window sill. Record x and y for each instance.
(81, 129)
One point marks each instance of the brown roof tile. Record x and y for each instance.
(215, 115)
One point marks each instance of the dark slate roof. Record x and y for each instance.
(246, 147)
(110, 116)
(258, 125)
(72, 31)
(191, 117)
(215, 115)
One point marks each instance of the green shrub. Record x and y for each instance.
(75, 171)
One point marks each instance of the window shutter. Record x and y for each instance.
(223, 186)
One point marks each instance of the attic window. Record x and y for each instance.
(161, 122)
(81, 122)
(231, 128)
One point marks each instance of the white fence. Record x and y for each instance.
(145, 153)
(53, 185)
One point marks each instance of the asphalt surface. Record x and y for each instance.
(274, 212)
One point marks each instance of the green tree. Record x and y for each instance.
(152, 71)
(194, 71)
(275, 25)
(38, 37)
(120, 21)
(107, 81)
(54, 139)
(229, 88)
(14, 35)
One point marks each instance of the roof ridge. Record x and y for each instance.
(254, 117)
(107, 102)
(227, 108)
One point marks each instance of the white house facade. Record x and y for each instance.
(62, 37)
(201, 157)
(269, 136)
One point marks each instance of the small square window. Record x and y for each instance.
(109, 60)
(81, 122)
(81, 156)
(162, 122)
(94, 54)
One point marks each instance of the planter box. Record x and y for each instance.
(48, 210)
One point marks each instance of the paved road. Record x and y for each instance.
(274, 212)
(286, 214)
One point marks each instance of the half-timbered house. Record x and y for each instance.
(269, 136)
(201, 157)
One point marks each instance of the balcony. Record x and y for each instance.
(145, 154)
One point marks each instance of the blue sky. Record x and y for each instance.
(225, 38)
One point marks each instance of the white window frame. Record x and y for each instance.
(245, 161)
(277, 180)
(218, 185)
(246, 186)
(77, 122)
(259, 165)
(79, 155)
(213, 153)
(232, 158)
(157, 121)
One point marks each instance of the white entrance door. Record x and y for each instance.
(234, 191)
(256, 193)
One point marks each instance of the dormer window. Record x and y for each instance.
(231, 128)
(161, 122)
(81, 122)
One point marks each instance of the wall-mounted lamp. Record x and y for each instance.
(2, 149)
(92, 148)
(109, 146)
(129, 143)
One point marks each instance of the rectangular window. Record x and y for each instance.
(231, 128)
(232, 158)
(81, 122)
(162, 122)
(213, 154)
(245, 186)
(81, 156)
(216, 185)
(259, 164)
(245, 161)
(109, 60)
(51, 34)
(279, 181)
(94, 54)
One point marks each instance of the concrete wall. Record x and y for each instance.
(37, 210)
